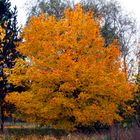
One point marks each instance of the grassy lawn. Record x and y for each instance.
(32, 132)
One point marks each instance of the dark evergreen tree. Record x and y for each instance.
(8, 53)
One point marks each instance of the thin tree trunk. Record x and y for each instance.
(125, 66)
(2, 119)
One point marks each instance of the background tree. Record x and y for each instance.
(137, 94)
(52, 7)
(8, 52)
(74, 80)
(116, 25)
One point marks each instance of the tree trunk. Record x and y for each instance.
(125, 66)
(2, 119)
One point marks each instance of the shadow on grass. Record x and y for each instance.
(19, 132)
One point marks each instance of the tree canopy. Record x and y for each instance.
(73, 80)
(115, 22)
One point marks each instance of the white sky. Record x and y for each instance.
(132, 6)
(21, 10)
(128, 5)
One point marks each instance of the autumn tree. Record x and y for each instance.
(73, 79)
(115, 23)
(8, 52)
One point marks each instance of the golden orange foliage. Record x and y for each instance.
(73, 79)
(2, 33)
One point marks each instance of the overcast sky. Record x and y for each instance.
(21, 10)
(132, 6)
